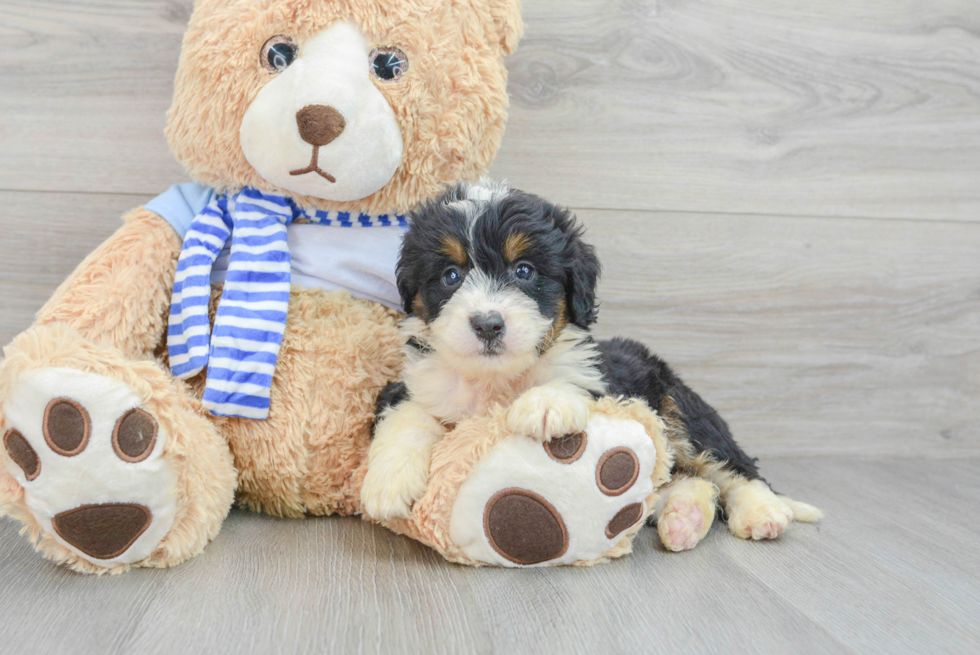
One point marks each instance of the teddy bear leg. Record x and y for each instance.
(506, 499)
(686, 512)
(109, 463)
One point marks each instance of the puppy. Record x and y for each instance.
(499, 288)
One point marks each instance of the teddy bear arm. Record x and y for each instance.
(120, 294)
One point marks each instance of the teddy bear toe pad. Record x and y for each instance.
(570, 500)
(91, 463)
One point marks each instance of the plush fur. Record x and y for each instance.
(500, 289)
(455, 457)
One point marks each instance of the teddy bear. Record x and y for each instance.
(334, 119)
(228, 343)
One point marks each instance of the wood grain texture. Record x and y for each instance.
(768, 106)
(868, 108)
(811, 336)
(45, 236)
(86, 87)
(888, 572)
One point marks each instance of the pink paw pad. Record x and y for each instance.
(768, 529)
(681, 525)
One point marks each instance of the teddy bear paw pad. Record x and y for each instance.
(564, 501)
(91, 463)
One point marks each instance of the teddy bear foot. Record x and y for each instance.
(573, 500)
(92, 464)
(96, 467)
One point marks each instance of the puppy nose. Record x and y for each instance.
(488, 326)
(319, 124)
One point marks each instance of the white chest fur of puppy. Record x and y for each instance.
(499, 294)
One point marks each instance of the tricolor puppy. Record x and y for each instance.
(500, 291)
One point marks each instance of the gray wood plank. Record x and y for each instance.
(892, 569)
(847, 109)
(812, 336)
(86, 87)
(867, 108)
(45, 236)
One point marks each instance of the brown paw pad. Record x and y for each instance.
(22, 454)
(566, 449)
(67, 426)
(625, 518)
(134, 436)
(616, 471)
(103, 531)
(524, 527)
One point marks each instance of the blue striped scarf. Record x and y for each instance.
(242, 352)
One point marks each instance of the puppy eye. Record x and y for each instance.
(388, 64)
(524, 272)
(278, 54)
(451, 277)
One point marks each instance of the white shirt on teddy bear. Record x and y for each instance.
(355, 259)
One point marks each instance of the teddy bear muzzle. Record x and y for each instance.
(337, 138)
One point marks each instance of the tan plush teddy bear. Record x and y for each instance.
(229, 341)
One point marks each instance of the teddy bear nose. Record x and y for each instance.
(319, 124)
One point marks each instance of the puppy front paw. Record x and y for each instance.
(391, 488)
(543, 413)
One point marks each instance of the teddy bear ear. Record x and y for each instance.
(507, 18)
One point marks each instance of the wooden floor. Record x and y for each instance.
(893, 569)
(786, 197)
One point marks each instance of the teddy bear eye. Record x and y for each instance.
(388, 64)
(278, 53)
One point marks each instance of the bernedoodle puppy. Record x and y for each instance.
(500, 291)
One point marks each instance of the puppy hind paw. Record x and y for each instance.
(755, 512)
(680, 526)
(687, 513)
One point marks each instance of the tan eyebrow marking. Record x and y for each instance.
(418, 307)
(515, 246)
(453, 248)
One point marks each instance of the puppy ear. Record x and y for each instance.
(407, 272)
(582, 270)
(507, 19)
(582, 279)
(407, 288)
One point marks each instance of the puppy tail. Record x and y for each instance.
(802, 512)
